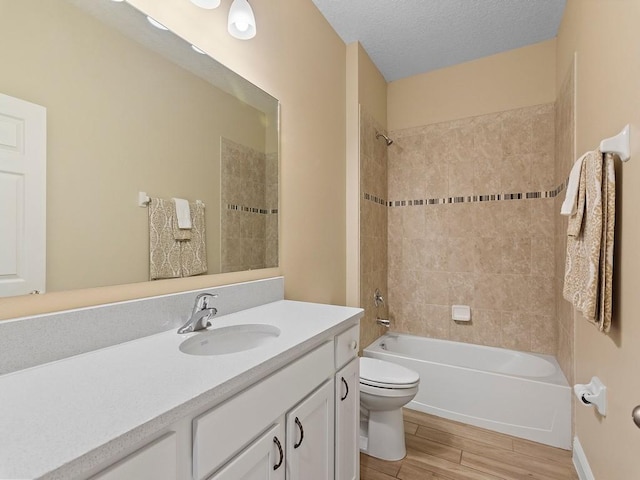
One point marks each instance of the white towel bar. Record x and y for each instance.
(144, 200)
(618, 145)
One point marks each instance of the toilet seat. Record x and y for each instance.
(394, 386)
(381, 374)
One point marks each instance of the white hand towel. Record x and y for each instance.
(183, 212)
(571, 199)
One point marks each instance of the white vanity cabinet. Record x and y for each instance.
(298, 423)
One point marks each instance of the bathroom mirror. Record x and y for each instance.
(133, 108)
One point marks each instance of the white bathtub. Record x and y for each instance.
(521, 394)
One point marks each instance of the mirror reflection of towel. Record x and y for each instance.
(193, 253)
(171, 257)
(164, 249)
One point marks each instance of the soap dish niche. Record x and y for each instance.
(461, 313)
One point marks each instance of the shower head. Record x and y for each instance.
(387, 140)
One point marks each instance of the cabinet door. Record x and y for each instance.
(310, 440)
(262, 460)
(347, 399)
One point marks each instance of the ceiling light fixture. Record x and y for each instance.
(242, 22)
(208, 4)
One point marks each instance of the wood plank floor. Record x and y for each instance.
(440, 449)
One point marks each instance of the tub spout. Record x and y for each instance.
(383, 321)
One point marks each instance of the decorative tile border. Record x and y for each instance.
(261, 211)
(469, 198)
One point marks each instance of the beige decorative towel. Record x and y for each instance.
(164, 249)
(169, 256)
(589, 259)
(193, 253)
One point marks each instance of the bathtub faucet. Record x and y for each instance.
(383, 321)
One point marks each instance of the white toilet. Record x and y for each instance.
(385, 388)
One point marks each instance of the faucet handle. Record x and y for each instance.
(202, 301)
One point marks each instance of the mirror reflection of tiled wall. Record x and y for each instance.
(249, 220)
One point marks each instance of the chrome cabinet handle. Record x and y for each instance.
(277, 442)
(297, 420)
(346, 385)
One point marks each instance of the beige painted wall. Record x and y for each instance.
(299, 59)
(120, 119)
(509, 80)
(372, 88)
(605, 36)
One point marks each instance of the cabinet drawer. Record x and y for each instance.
(156, 460)
(227, 428)
(347, 344)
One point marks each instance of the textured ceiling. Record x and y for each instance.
(407, 37)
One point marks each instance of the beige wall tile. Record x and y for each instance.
(461, 254)
(543, 256)
(461, 178)
(462, 288)
(516, 173)
(517, 218)
(516, 255)
(542, 217)
(489, 291)
(542, 296)
(488, 254)
(488, 219)
(516, 331)
(487, 174)
(496, 256)
(517, 133)
(460, 220)
(544, 334)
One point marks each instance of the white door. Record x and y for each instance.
(310, 441)
(347, 399)
(22, 196)
(262, 460)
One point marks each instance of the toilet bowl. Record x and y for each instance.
(385, 388)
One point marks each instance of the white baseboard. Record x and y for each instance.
(580, 461)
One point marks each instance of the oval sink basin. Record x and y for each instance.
(225, 340)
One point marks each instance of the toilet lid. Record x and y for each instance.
(382, 373)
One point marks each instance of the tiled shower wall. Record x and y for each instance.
(373, 226)
(249, 203)
(565, 153)
(472, 222)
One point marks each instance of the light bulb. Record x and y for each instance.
(242, 22)
(242, 25)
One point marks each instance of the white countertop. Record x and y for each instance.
(61, 419)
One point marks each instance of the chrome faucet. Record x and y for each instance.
(385, 322)
(201, 314)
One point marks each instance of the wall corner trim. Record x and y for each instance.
(580, 461)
